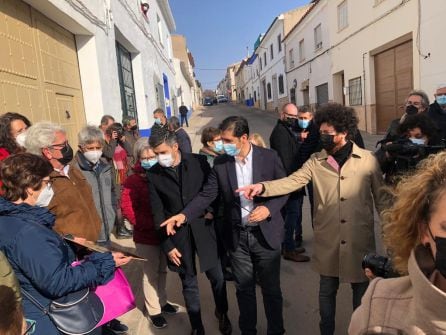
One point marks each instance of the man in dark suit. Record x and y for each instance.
(173, 183)
(253, 230)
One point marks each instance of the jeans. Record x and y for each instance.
(254, 256)
(192, 296)
(183, 118)
(293, 221)
(328, 290)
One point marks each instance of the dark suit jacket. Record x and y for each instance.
(168, 197)
(223, 180)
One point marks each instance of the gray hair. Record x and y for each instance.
(141, 145)
(90, 134)
(41, 135)
(174, 122)
(422, 95)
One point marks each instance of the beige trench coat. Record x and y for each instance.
(343, 210)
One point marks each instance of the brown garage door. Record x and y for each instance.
(393, 80)
(39, 72)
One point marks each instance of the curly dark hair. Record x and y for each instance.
(22, 171)
(423, 122)
(342, 118)
(7, 141)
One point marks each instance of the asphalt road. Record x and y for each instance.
(299, 283)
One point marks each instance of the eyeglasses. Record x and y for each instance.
(290, 116)
(30, 327)
(413, 103)
(61, 145)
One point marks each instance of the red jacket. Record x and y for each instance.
(3, 155)
(135, 206)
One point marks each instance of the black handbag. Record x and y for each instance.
(76, 313)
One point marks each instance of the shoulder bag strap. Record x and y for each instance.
(34, 301)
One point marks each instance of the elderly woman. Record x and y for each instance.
(39, 257)
(135, 205)
(415, 235)
(99, 175)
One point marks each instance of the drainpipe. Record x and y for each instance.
(365, 92)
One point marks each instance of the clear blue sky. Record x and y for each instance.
(218, 32)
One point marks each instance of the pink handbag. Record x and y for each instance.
(116, 296)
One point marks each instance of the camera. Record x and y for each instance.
(380, 266)
(405, 148)
(117, 127)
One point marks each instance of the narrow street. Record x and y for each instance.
(299, 282)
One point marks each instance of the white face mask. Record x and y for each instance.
(20, 139)
(165, 160)
(419, 141)
(93, 156)
(45, 196)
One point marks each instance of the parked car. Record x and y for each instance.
(208, 101)
(221, 98)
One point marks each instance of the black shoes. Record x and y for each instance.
(198, 331)
(116, 327)
(224, 325)
(169, 309)
(122, 232)
(158, 321)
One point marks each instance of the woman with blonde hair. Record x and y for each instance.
(415, 236)
(257, 139)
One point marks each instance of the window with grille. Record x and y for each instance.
(318, 37)
(268, 89)
(281, 85)
(355, 92)
(342, 15)
(279, 43)
(301, 51)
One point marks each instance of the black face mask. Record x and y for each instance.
(135, 127)
(411, 110)
(440, 255)
(290, 122)
(327, 142)
(67, 155)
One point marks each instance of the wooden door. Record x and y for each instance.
(393, 81)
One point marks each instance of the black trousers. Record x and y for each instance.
(192, 296)
(254, 256)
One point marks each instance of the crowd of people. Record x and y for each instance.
(237, 205)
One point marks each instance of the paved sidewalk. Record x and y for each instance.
(299, 282)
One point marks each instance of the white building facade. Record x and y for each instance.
(95, 57)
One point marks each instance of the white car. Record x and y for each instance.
(221, 98)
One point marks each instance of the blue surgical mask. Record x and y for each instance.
(418, 141)
(231, 149)
(218, 146)
(157, 120)
(148, 163)
(441, 99)
(303, 123)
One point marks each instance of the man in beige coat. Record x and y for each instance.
(347, 181)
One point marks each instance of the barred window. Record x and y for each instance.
(355, 91)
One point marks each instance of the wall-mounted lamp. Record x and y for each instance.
(145, 6)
